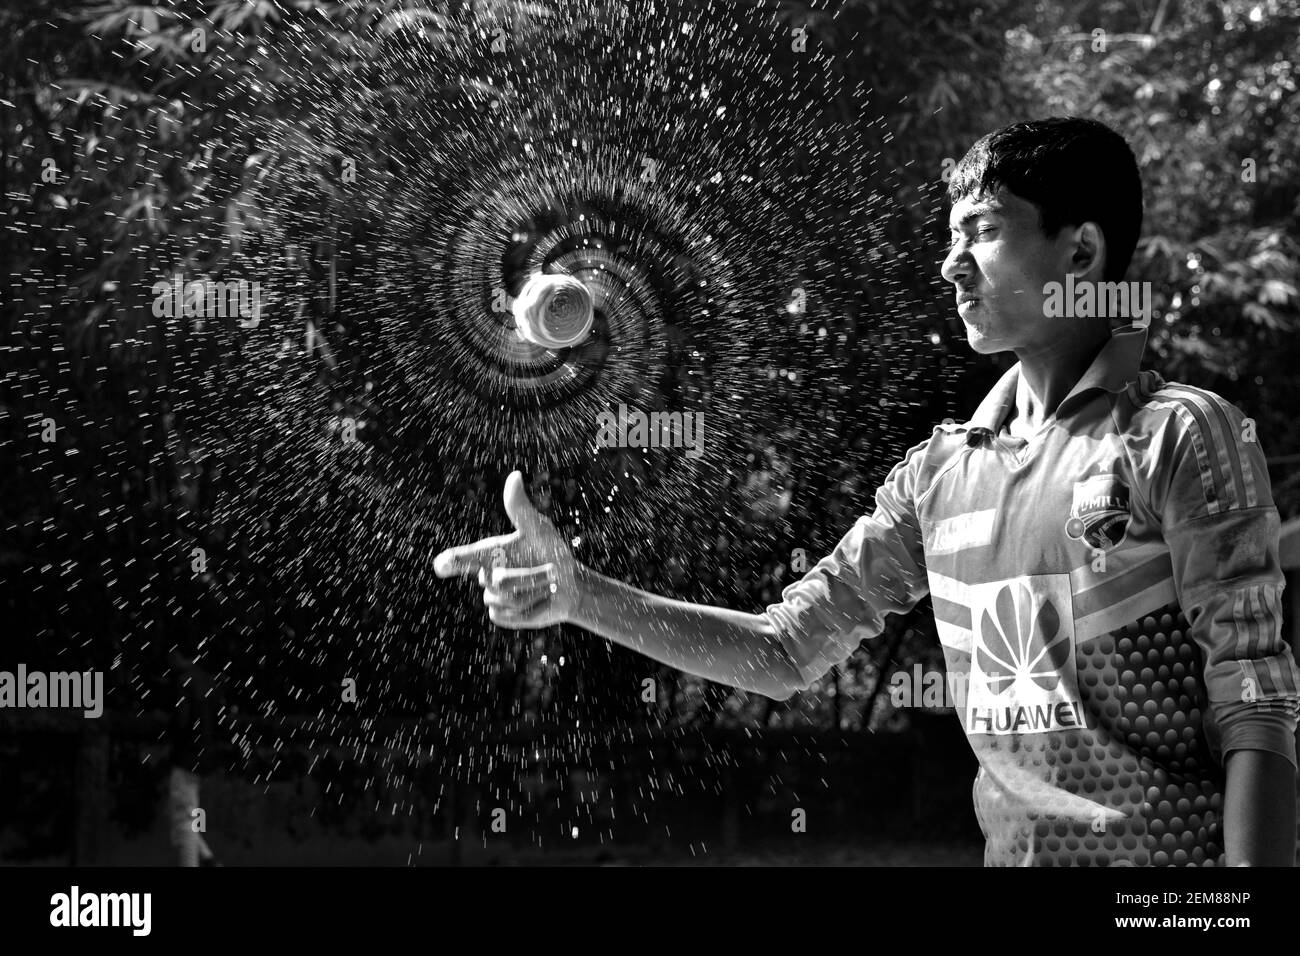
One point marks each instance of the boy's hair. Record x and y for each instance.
(1074, 170)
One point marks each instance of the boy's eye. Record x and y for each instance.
(983, 232)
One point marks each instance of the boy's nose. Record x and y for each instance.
(957, 266)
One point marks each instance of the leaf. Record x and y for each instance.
(113, 22)
(417, 20)
(1277, 292)
(1158, 247)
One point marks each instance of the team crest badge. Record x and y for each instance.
(1100, 513)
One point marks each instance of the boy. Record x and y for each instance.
(1100, 547)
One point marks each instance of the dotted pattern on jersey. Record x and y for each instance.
(1138, 786)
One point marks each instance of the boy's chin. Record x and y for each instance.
(978, 339)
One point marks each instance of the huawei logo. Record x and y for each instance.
(1021, 646)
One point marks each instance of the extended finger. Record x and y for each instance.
(468, 558)
(516, 600)
(521, 579)
(514, 578)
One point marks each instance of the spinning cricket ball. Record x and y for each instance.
(554, 311)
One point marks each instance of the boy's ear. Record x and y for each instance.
(1088, 251)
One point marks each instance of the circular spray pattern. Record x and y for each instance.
(686, 167)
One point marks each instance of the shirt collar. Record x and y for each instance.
(1113, 370)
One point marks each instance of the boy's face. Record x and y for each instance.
(998, 264)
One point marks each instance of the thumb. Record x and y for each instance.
(519, 509)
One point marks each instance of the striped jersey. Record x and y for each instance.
(1107, 594)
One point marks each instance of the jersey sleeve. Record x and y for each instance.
(877, 568)
(1221, 527)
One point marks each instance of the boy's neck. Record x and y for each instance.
(1048, 374)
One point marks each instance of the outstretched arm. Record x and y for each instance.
(530, 580)
(730, 647)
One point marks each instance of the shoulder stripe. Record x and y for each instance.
(1216, 440)
(1211, 480)
(1230, 448)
